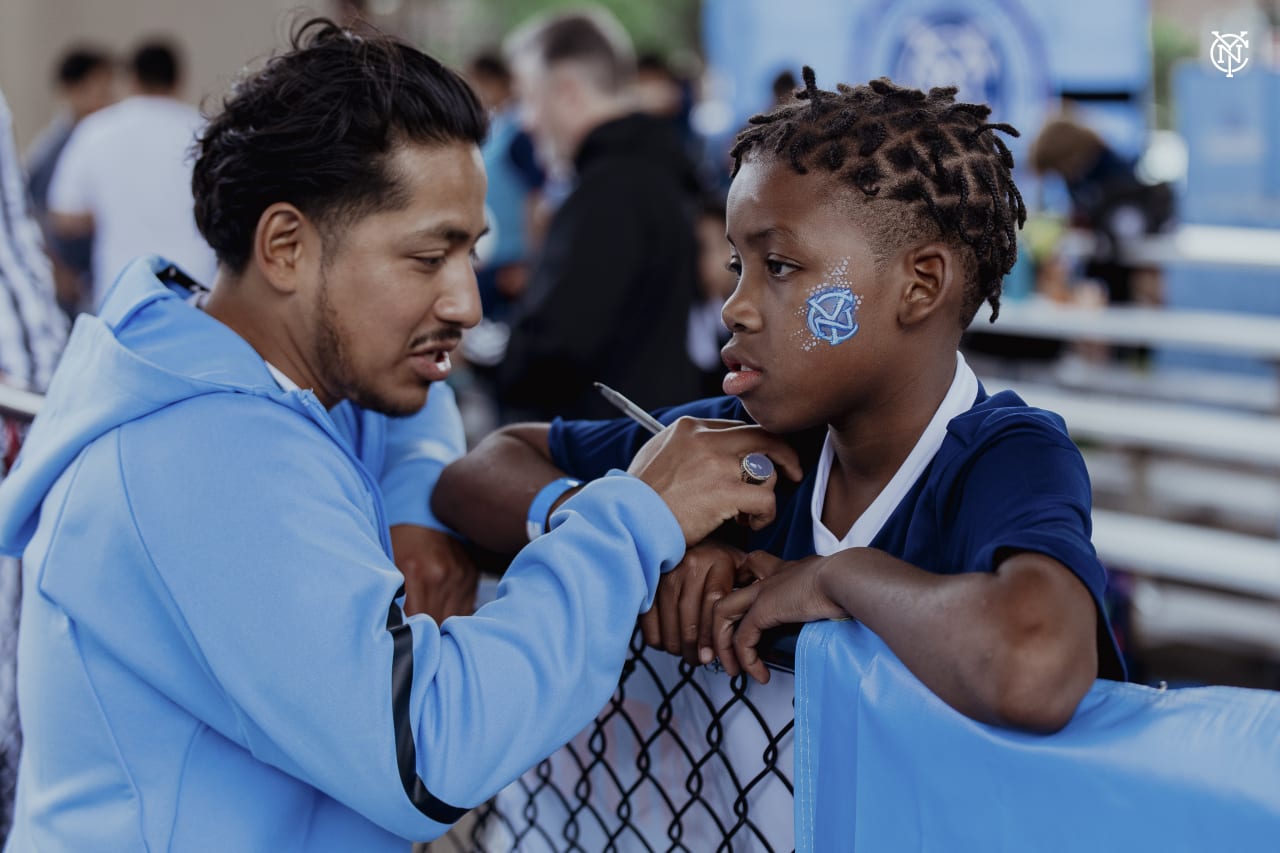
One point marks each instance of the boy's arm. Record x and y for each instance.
(486, 494)
(1005, 627)
(1014, 647)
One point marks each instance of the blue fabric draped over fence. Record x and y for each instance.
(883, 764)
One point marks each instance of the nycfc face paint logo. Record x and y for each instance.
(1227, 52)
(831, 315)
(830, 311)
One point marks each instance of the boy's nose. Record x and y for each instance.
(739, 313)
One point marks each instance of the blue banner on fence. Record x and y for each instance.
(883, 764)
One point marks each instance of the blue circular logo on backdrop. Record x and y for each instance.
(989, 49)
(954, 48)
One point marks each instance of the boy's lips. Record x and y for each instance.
(743, 375)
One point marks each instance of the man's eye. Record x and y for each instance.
(431, 264)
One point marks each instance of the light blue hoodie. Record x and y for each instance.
(213, 654)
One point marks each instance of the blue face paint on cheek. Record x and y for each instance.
(831, 310)
(832, 315)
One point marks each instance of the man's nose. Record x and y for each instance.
(460, 301)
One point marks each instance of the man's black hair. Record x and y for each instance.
(155, 64)
(78, 63)
(315, 128)
(938, 157)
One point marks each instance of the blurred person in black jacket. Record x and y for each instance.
(1109, 198)
(609, 298)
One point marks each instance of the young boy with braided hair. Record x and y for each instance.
(866, 226)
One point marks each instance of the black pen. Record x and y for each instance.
(630, 409)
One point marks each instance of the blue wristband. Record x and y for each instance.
(536, 524)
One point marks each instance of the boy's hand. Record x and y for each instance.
(792, 592)
(695, 466)
(680, 619)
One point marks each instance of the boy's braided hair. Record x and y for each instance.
(938, 157)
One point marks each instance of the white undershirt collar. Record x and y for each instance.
(960, 398)
(283, 381)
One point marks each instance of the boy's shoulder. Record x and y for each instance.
(1001, 415)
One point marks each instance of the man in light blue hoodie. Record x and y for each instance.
(215, 653)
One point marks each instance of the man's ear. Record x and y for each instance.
(285, 246)
(932, 277)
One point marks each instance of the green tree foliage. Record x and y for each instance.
(669, 27)
(1170, 42)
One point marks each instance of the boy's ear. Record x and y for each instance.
(285, 244)
(932, 276)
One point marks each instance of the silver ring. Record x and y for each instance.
(756, 468)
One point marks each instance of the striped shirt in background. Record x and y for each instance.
(32, 327)
(32, 332)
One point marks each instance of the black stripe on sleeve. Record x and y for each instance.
(406, 753)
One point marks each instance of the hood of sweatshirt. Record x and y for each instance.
(148, 348)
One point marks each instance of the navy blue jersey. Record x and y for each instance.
(1007, 478)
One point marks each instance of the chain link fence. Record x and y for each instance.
(683, 758)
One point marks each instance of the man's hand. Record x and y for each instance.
(695, 466)
(440, 579)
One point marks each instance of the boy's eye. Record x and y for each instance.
(734, 266)
(778, 268)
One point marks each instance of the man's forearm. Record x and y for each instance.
(485, 495)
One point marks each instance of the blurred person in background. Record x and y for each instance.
(609, 297)
(514, 180)
(85, 81)
(707, 331)
(662, 92)
(32, 332)
(1108, 198)
(125, 175)
(783, 87)
(512, 204)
